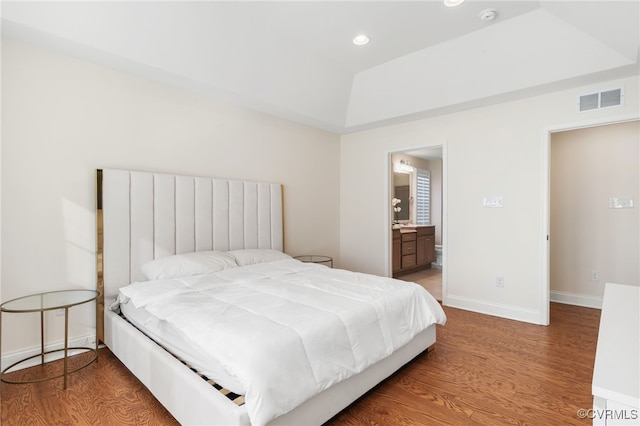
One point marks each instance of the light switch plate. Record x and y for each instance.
(620, 203)
(495, 201)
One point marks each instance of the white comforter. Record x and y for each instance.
(286, 330)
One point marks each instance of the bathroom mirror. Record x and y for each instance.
(402, 191)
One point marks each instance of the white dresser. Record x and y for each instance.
(616, 373)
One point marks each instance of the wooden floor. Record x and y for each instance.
(484, 371)
(430, 278)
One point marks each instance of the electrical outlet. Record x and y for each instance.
(595, 276)
(499, 281)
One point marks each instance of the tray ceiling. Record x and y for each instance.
(295, 59)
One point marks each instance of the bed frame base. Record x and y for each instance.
(192, 401)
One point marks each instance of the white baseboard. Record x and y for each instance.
(8, 359)
(504, 311)
(575, 299)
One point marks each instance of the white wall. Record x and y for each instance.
(63, 118)
(588, 166)
(496, 150)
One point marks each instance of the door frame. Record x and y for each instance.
(444, 225)
(545, 202)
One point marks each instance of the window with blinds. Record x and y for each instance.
(423, 194)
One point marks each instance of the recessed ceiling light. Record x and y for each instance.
(361, 40)
(453, 3)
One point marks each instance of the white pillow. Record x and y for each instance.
(182, 265)
(253, 256)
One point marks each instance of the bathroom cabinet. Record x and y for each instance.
(413, 249)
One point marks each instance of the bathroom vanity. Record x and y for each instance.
(414, 248)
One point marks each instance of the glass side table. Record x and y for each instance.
(315, 258)
(42, 302)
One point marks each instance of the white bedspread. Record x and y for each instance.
(286, 330)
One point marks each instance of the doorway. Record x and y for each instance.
(408, 172)
(594, 225)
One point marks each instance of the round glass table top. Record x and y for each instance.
(313, 258)
(50, 300)
(316, 258)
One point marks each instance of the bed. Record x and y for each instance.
(150, 222)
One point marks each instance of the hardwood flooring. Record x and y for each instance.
(483, 371)
(430, 278)
(104, 393)
(491, 371)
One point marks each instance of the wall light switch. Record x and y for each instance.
(621, 203)
(495, 201)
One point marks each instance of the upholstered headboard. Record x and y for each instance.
(150, 215)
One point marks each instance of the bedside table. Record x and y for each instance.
(315, 258)
(49, 301)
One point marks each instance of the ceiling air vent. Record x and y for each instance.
(604, 99)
